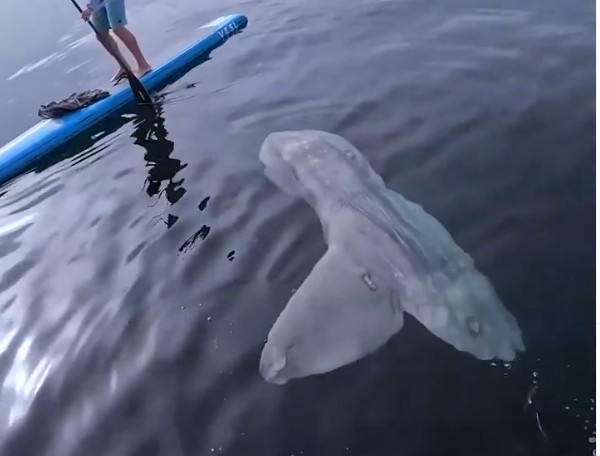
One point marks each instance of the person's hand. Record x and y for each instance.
(86, 14)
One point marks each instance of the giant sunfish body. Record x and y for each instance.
(385, 256)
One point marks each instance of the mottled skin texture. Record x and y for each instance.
(385, 256)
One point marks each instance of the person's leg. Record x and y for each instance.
(117, 19)
(131, 42)
(101, 22)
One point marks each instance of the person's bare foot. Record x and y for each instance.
(143, 70)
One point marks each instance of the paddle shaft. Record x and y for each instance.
(140, 93)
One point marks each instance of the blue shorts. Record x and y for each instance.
(110, 16)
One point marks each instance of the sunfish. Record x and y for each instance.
(385, 256)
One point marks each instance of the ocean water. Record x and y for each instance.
(141, 267)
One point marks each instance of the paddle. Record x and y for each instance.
(139, 91)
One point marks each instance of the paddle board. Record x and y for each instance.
(43, 138)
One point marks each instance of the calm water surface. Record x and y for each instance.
(143, 265)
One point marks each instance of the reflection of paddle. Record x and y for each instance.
(139, 91)
(151, 134)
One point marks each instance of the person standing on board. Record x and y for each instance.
(110, 14)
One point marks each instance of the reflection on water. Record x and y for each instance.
(203, 203)
(151, 133)
(200, 234)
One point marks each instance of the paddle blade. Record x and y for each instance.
(139, 91)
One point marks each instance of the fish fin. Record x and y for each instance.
(432, 235)
(455, 301)
(340, 313)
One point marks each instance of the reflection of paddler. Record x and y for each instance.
(151, 134)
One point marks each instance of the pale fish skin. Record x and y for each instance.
(385, 256)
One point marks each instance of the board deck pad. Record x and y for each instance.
(48, 135)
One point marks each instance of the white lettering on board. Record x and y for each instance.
(228, 30)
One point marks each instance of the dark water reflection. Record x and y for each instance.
(142, 266)
(151, 134)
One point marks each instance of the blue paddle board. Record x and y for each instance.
(43, 138)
